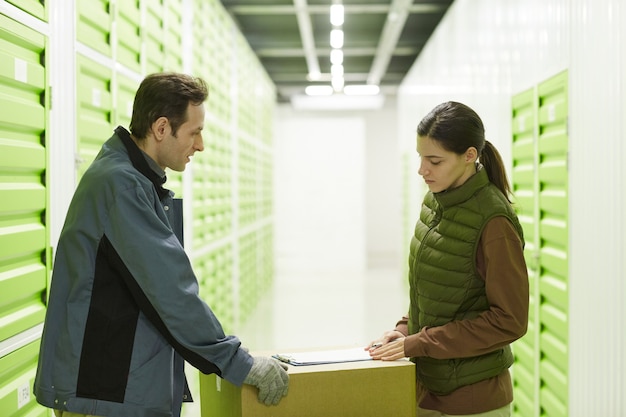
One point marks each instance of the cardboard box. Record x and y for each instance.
(359, 389)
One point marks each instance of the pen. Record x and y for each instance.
(376, 345)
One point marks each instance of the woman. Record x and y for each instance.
(468, 277)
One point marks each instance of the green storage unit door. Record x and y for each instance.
(525, 193)
(248, 275)
(247, 183)
(123, 110)
(128, 34)
(246, 83)
(23, 234)
(173, 35)
(36, 8)
(215, 277)
(17, 376)
(266, 184)
(265, 257)
(153, 34)
(94, 22)
(203, 35)
(218, 27)
(524, 172)
(94, 117)
(212, 194)
(540, 182)
(553, 231)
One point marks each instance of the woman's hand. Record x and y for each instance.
(390, 347)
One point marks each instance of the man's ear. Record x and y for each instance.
(471, 154)
(160, 128)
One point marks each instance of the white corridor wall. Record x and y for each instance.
(366, 214)
(319, 201)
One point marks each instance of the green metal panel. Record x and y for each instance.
(94, 22)
(153, 34)
(524, 151)
(248, 275)
(524, 398)
(173, 42)
(128, 34)
(554, 292)
(215, 276)
(23, 74)
(23, 234)
(17, 375)
(204, 41)
(265, 258)
(246, 86)
(219, 67)
(551, 404)
(266, 184)
(553, 230)
(540, 181)
(525, 194)
(94, 105)
(247, 183)
(36, 8)
(123, 110)
(213, 171)
(212, 188)
(175, 183)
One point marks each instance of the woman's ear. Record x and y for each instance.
(471, 154)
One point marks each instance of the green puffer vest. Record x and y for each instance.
(445, 284)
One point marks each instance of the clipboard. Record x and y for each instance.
(324, 356)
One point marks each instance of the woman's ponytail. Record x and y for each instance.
(492, 161)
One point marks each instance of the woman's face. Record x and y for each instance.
(441, 169)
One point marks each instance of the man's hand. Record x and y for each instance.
(270, 377)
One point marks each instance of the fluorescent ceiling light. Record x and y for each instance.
(336, 38)
(314, 76)
(336, 70)
(318, 90)
(337, 83)
(361, 90)
(336, 56)
(336, 14)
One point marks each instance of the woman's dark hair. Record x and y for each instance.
(165, 95)
(457, 127)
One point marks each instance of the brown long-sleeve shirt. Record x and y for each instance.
(501, 264)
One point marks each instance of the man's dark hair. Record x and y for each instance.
(165, 95)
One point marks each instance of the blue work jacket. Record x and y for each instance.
(124, 311)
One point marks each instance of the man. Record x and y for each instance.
(124, 312)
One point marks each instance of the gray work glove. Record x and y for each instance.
(270, 377)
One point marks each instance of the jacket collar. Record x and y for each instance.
(465, 191)
(138, 160)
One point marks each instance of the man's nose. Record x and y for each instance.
(199, 145)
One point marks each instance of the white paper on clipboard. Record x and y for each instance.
(324, 356)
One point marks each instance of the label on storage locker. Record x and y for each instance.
(96, 97)
(20, 70)
(23, 395)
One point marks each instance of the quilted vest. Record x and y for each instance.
(445, 284)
